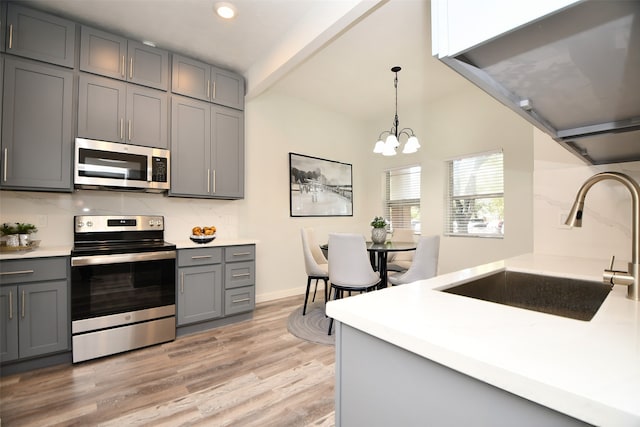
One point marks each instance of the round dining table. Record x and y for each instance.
(378, 255)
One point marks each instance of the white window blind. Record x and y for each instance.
(402, 201)
(475, 205)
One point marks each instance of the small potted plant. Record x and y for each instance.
(379, 230)
(11, 231)
(24, 229)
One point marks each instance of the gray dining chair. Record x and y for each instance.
(425, 262)
(315, 264)
(349, 266)
(400, 261)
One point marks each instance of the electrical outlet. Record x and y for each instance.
(41, 221)
(562, 218)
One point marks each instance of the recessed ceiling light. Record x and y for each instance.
(225, 10)
(148, 43)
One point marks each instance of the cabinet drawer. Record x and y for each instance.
(239, 274)
(239, 300)
(33, 270)
(200, 256)
(240, 253)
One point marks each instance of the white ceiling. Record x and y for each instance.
(335, 53)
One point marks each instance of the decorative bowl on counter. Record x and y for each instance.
(203, 238)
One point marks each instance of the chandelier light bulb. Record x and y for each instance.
(379, 148)
(392, 141)
(411, 146)
(389, 149)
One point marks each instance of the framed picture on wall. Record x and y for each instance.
(319, 187)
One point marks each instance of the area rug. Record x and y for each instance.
(312, 327)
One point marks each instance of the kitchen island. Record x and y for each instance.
(428, 357)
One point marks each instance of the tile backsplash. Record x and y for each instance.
(53, 213)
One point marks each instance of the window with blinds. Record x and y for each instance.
(475, 205)
(402, 200)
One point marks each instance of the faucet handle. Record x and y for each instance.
(613, 258)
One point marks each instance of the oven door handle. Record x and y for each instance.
(121, 258)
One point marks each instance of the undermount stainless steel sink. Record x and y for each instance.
(561, 296)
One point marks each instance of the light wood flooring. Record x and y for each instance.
(253, 373)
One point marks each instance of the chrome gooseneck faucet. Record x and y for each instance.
(630, 278)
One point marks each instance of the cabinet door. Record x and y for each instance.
(36, 126)
(103, 53)
(147, 117)
(44, 321)
(227, 88)
(190, 147)
(191, 78)
(38, 35)
(101, 108)
(8, 323)
(199, 293)
(227, 152)
(148, 65)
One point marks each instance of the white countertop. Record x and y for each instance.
(588, 370)
(39, 252)
(49, 251)
(186, 244)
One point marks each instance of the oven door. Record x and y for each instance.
(104, 285)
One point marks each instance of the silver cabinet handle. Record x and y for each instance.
(241, 253)
(208, 180)
(11, 273)
(121, 128)
(201, 257)
(23, 304)
(241, 275)
(131, 68)
(240, 300)
(10, 36)
(208, 87)
(123, 72)
(6, 154)
(129, 130)
(10, 305)
(182, 282)
(214, 180)
(213, 95)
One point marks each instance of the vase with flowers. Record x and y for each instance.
(379, 230)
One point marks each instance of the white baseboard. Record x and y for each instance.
(270, 296)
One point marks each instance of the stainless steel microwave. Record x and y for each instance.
(110, 165)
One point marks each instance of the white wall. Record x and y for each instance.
(606, 225)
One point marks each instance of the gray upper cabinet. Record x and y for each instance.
(207, 150)
(38, 35)
(116, 57)
(202, 81)
(227, 156)
(112, 110)
(36, 126)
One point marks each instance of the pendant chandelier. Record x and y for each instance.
(392, 142)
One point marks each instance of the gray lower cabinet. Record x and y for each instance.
(34, 319)
(112, 110)
(199, 282)
(215, 282)
(207, 150)
(37, 137)
(203, 81)
(39, 35)
(116, 57)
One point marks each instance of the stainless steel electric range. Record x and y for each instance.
(122, 285)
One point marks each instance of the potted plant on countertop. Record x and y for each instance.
(11, 231)
(24, 230)
(379, 230)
